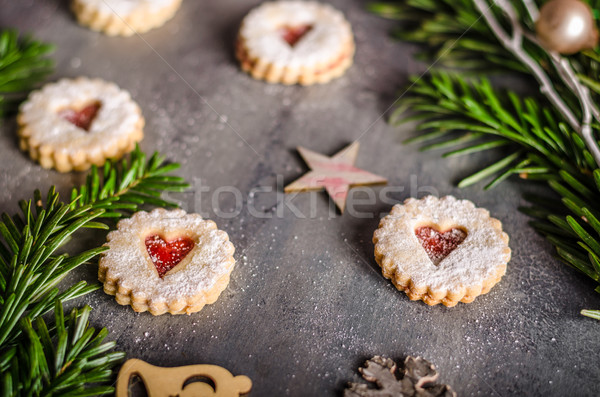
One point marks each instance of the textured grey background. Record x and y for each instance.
(307, 304)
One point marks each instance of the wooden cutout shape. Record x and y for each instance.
(163, 382)
(336, 174)
(417, 380)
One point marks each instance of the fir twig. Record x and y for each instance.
(23, 64)
(33, 360)
(77, 358)
(539, 147)
(120, 188)
(538, 140)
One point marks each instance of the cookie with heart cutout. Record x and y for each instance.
(166, 262)
(72, 124)
(295, 42)
(124, 17)
(441, 250)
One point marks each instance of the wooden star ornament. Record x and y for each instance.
(336, 174)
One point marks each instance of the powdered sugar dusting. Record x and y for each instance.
(129, 265)
(327, 37)
(475, 260)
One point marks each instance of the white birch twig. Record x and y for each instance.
(514, 44)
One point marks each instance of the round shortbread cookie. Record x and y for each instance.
(293, 42)
(166, 261)
(124, 17)
(72, 124)
(441, 250)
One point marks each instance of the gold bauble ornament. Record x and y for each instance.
(566, 26)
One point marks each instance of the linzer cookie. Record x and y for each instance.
(293, 42)
(72, 124)
(166, 262)
(441, 250)
(124, 17)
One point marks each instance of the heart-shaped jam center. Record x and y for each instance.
(167, 254)
(293, 34)
(439, 245)
(83, 117)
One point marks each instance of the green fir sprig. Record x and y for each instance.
(466, 116)
(61, 360)
(121, 187)
(66, 357)
(23, 64)
(451, 32)
(463, 113)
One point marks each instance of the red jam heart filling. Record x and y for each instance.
(439, 245)
(167, 254)
(82, 118)
(293, 34)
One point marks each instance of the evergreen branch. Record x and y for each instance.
(539, 136)
(62, 356)
(456, 109)
(537, 145)
(121, 188)
(30, 271)
(23, 64)
(452, 32)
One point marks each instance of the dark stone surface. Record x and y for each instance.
(307, 304)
